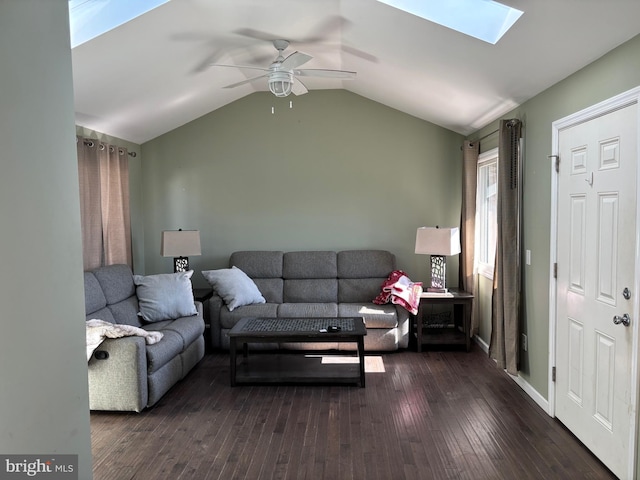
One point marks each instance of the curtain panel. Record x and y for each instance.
(467, 276)
(505, 315)
(104, 203)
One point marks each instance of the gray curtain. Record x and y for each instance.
(467, 276)
(505, 314)
(104, 203)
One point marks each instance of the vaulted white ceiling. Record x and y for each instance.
(151, 74)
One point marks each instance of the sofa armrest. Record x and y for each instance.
(118, 375)
(215, 305)
(404, 326)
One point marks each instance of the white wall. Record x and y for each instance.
(44, 407)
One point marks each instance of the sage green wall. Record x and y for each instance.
(44, 400)
(614, 73)
(336, 171)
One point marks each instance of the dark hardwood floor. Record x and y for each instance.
(430, 415)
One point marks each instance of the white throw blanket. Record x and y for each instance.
(98, 330)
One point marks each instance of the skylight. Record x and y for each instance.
(91, 18)
(483, 19)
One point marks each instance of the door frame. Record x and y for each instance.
(617, 102)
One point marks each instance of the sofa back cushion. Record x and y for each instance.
(126, 312)
(116, 283)
(271, 289)
(310, 277)
(365, 264)
(311, 290)
(258, 264)
(94, 299)
(361, 274)
(319, 264)
(359, 290)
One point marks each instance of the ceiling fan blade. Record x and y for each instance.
(319, 72)
(257, 34)
(207, 61)
(295, 60)
(239, 66)
(359, 53)
(298, 88)
(233, 85)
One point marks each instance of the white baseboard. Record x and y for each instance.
(542, 402)
(483, 345)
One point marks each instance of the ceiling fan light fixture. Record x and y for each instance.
(280, 83)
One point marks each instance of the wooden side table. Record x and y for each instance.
(461, 302)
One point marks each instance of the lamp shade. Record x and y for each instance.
(438, 241)
(180, 243)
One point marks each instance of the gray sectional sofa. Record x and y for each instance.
(316, 284)
(126, 374)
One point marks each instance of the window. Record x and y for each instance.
(91, 18)
(486, 213)
(483, 19)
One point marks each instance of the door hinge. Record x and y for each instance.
(553, 374)
(557, 162)
(555, 270)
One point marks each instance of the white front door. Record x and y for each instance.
(596, 286)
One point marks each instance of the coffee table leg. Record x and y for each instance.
(361, 358)
(232, 359)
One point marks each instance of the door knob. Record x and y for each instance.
(624, 320)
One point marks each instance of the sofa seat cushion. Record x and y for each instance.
(165, 350)
(308, 310)
(264, 310)
(187, 327)
(375, 316)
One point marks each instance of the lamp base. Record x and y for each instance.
(438, 274)
(437, 290)
(180, 264)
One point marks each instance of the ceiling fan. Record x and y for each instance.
(282, 75)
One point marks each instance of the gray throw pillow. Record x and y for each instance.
(165, 296)
(234, 286)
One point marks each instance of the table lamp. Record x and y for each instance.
(439, 243)
(180, 244)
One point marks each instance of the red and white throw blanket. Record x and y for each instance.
(400, 290)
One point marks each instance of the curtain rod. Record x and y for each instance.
(485, 136)
(89, 143)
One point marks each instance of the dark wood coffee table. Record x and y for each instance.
(295, 367)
